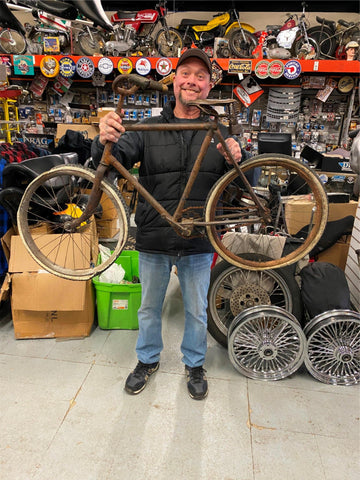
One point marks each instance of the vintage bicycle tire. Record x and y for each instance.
(233, 289)
(20, 45)
(42, 205)
(161, 43)
(282, 169)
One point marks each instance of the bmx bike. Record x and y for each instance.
(236, 217)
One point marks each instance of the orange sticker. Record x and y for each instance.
(49, 66)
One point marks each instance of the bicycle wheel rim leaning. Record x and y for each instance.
(52, 200)
(266, 343)
(233, 289)
(280, 235)
(12, 42)
(333, 347)
(162, 45)
(242, 43)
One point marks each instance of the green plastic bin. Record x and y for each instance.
(117, 304)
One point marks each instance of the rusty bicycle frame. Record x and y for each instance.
(184, 226)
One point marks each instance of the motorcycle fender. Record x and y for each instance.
(244, 26)
(215, 22)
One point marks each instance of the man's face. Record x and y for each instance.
(192, 81)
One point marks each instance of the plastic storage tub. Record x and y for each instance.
(117, 304)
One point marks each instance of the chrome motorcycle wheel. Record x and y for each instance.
(333, 347)
(266, 343)
(233, 289)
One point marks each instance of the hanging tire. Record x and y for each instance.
(233, 289)
(266, 343)
(333, 347)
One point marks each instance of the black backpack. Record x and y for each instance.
(324, 287)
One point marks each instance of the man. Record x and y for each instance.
(166, 159)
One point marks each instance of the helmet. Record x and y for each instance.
(352, 44)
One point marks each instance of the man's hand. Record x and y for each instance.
(234, 148)
(111, 128)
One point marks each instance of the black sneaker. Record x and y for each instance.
(196, 382)
(138, 378)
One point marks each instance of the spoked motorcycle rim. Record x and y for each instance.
(333, 347)
(266, 343)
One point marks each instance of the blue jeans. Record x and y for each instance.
(194, 278)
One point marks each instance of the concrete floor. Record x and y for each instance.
(64, 415)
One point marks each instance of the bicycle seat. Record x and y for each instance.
(21, 174)
(206, 105)
(329, 23)
(213, 102)
(188, 22)
(345, 24)
(55, 7)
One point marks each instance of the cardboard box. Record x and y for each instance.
(44, 305)
(89, 131)
(298, 212)
(337, 253)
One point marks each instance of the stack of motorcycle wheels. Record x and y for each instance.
(256, 316)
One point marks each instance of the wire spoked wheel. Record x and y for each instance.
(242, 43)
(12, 42)
(169, 43)
(285, 231)
(266, 343)
(45, 217)
(234, 289)
(333, 347)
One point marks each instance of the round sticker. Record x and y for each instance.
(262, 69)
(105, 65)
(346, 84)
(49, 66)
(292, 69)
(276, 69)
(125, 65)
(85, 67)
(163, 66)
(143, 66)
(67, 67)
